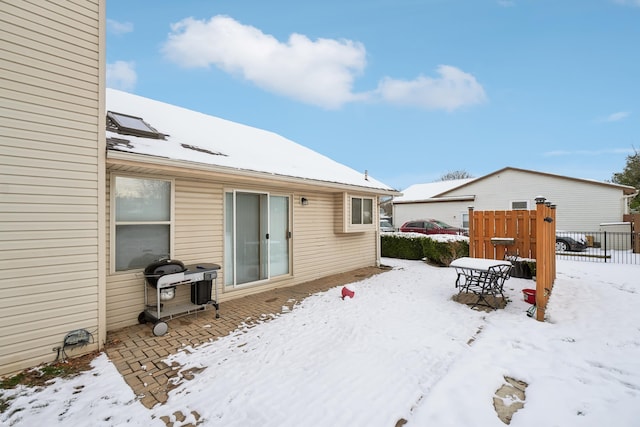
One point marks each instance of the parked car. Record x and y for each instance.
(431, 226)
(574, 242)
(385, 226)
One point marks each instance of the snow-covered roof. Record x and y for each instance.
(418, 192)
(439, 189)
(625, 188)
(200, 138)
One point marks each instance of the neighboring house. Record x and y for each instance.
(198, 188)
(582, 205)
(52, 178)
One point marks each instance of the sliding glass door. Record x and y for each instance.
(278, 235)
(256, 237)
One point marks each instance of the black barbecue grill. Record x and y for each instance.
(159, 268)
(164, 276)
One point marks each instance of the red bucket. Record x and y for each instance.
(529, 295)
(346, 292)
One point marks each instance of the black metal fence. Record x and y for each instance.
(599, 246)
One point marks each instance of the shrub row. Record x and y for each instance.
(437, 249)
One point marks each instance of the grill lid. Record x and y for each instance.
(159, 268)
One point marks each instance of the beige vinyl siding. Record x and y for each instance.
(198, 237)
(51, 154)
(199, 215)
(197, 231)
(319, 250)
(341, 213)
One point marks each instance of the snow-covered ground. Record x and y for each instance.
(400, 349)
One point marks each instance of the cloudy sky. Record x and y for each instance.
(407, 90)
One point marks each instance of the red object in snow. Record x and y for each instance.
(346, 292)
(529, 295)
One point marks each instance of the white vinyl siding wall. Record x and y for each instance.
(317, 250)
(581, 205)
(51, 162)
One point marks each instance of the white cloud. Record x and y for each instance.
(453, 89)
(319, 72)
(121, 75)
(116, 27)
(615, 117)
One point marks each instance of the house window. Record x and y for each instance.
(361, 210)
(465, 220)
(257, 237)
(142, 216)
(519, 205)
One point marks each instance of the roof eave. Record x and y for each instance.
(625, 188)
(115, 157)
(469, 198)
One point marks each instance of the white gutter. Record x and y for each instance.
(121, 157)
(437, 199)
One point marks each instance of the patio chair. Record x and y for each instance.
(484, 284)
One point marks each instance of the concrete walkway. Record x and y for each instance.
(138, 354)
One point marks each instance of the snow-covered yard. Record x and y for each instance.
(400, 349)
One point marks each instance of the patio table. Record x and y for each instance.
(482, 277)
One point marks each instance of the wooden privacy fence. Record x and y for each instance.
(634, 219)
(526, 234)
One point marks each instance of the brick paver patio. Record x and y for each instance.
(138, 354)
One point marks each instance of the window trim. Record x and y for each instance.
(463, 215)
(233, 271)
(362, 225)
(113, 223)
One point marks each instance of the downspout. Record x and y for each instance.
(377, 222)
(102, 179)
(378, 256)
(627, 202)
